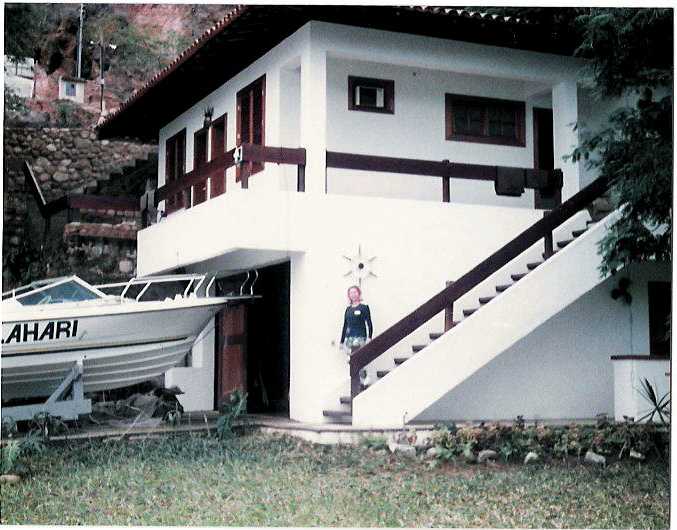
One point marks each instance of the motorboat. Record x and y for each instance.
(104, 336)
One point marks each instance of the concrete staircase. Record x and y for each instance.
(421, 359)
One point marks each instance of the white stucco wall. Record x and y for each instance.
(418, 244)
(562, 369)
(306, 105)
(629, 396)
(197, 379)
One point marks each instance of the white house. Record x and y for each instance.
(20, 75)
(305, 149)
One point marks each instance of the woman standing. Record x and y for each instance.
(357, 327)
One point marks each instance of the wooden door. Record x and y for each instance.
(231, 352)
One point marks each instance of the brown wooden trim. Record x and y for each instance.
(533, 177)
(103, 202)
(639, 358)
(214, 168)
(449, 314)
(518, 107)
(419, 316)
(388, 86)
(446, 190)
(277, 155)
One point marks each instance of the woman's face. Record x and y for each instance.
(353, 295)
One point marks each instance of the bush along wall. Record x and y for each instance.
(599, 443)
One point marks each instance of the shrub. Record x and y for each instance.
(374, 442)
(232, 408)
(513, 442)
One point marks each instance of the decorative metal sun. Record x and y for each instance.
(360, 266)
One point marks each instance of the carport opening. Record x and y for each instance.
(252, 346)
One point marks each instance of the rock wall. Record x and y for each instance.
(67, 161)
(70, 160)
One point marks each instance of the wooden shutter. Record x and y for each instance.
(219, 142)
(199, 160)
(251, 120)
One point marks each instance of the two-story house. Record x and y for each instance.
(420, 154)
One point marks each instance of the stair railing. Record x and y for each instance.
(542, 229)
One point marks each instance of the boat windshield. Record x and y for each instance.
(68, 291)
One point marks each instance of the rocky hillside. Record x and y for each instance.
(145, 37)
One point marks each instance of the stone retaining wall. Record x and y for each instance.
(66, 161)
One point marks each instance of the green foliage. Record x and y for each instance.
(274, 481)
(14, 102)
(68, 114)
(233, 407)
(25, 24)
(513, 442)
(138, 52)
(659, 406)
(635, 154)
(628, 53)
(375, 443)
(14, 454)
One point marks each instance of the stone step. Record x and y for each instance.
(382, 373)
(338, 416)
(578, 233)
(486, 299)
(435, 336)
(418, 347)
(562, 244)
(468, 312)
(501, 288)
(518, 277)
(400, 360)
(533, 265)
(345, 400)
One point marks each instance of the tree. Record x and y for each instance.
(25, 25)
(628, 53)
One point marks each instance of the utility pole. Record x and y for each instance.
(82, 12)
(101, 81)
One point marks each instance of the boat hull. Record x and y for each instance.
(119, 345)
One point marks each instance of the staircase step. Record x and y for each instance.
(518, 277)
(400, 360)
(338, 416)
(345, 400)
(435, 336)
(562, 244)
(418, 347)
(578, 233)
(486, 299)
(501, 288)
(468, 312)
(533, 265)
(382, 373)
(553, 253)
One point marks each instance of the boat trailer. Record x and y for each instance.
(66, 402)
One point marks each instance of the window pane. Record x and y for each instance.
(66, 292)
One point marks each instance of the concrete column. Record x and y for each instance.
(313, 130)
(565, 117)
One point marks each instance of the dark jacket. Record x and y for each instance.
(356, 320)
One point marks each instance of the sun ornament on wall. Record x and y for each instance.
(360, 267)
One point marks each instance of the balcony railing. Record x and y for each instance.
(179, 192)
(191, 188)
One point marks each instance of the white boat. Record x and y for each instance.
(114, 340)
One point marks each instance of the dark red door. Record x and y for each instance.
(231, 352)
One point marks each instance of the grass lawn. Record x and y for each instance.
(258, 480)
